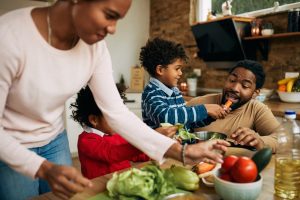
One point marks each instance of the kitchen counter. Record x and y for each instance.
(207, 193)
(278, 107)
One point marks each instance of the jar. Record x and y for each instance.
(267, 29)
(255, 29)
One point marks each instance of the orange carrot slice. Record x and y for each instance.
(203, 167)
(227, 104)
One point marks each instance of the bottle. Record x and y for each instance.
(287, 163)
(296, 20)
(290, 20)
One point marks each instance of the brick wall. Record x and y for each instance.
(170, 20)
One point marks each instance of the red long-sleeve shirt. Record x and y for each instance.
(103, 154)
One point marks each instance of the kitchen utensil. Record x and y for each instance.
(209, 135)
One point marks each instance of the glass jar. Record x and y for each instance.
(255, 29)
(267, 29)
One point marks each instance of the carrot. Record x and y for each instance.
(227, 104)
(203, 167)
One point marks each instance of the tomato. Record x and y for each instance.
(228, 163)
(226, 177)
(244, 170)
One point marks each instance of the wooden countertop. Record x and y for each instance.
(278, 107)
(207, 193)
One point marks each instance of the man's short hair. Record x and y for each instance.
(255, 67)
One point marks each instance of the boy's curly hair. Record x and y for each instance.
(160, 52)
(85, 105)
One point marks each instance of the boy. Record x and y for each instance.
(162, 102)
(100, 149)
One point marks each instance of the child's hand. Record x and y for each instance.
(168, 131)
(216, 111)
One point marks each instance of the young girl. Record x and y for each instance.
(101, 150)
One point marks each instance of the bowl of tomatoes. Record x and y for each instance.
(238, 179)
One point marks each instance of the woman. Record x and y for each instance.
(46, 56)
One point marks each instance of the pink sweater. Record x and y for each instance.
(37, 79)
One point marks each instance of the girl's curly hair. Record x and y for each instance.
(85, 105)
(160, 52)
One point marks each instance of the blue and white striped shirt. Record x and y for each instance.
(161, 104)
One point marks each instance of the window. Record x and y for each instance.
(245, 6)
(250, 8)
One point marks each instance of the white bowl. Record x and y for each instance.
(237, 191)
(266, 32)
(261, 97)
(290, 97)
(267, 92)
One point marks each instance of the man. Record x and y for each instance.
(250, 122)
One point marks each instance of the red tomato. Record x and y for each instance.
(226, 177)
(228, 163)
(244, 170)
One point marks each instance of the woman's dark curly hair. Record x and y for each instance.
(85, 105)
(160, 52)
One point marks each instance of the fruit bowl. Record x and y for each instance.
(290, 97)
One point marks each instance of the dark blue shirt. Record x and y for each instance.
(161, 104)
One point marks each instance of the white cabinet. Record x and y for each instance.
(135, 105)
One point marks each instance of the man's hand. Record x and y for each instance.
(168, 131)
(246, 136)
(64, 181)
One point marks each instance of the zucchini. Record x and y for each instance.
(262, 158)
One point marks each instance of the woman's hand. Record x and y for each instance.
(168, 131)
(216, 111)
(247, 136)
(210, 151)
(64, 181)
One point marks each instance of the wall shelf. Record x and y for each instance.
(277, 35)
(262, 43)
